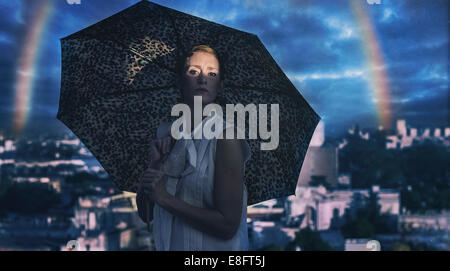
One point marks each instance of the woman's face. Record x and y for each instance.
(200, 78)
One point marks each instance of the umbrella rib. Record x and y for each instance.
(118, 93)
(141, 55)
(102, 77)
(262, 90)
(134, 51)
(247, 87)
(172, 22)
(262, 48)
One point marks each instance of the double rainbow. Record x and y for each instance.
(26, 66)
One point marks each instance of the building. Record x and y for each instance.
(321, 162)
(35, 232)
(269, 234)
(425, 222)
(110, 223)
(321, 209)
(406, 136)
(49, 158)
(265, 210)
(362, 245)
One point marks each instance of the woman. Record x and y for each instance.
(196, 194)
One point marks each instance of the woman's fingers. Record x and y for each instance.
(154, 152)
(157, 142)
(151, 171)
(167, 145)
(151, 183)
(164, 146)
(152, 175)
(148, 186)
(161, 144)
(149, 179)
(160, 150)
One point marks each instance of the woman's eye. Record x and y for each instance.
(213, 74)
(193, 72)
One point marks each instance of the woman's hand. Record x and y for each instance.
(159, 151)
(152, 185)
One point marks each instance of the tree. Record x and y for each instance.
(29, 198)
(310, 240)
(272, 247)
(427, 185)
(5, 184)
(370, 164)
(421, 171)
(363, 219)
(84, 183)
(358, 228)
(398, 246)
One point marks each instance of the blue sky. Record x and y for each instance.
(318, 44)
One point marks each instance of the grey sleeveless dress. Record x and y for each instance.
(191, 168)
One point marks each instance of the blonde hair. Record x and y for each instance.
(200, 48)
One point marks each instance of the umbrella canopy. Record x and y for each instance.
(118, 84)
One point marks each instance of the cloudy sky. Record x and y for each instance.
(325, 47)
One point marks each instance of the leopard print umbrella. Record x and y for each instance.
(117, 85)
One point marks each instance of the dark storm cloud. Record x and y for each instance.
(318, 44)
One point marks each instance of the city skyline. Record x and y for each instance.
(102, 218)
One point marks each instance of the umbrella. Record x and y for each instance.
(117, 85)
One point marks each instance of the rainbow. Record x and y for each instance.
(26, 66)
(379, 83)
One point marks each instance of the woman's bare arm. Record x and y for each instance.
(223, 220)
